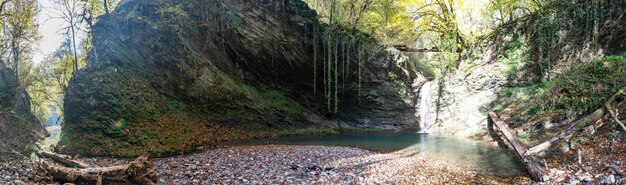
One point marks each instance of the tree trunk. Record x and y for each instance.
(16, 59)
(580, 124)
(609, 109)
(64, 160)
(140, 171)
(106, 6)
(568, 133)
(535, 170)
(74, 44)
(408, 49)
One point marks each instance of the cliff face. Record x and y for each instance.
(7, 86)
(18, 127)
(164, 76)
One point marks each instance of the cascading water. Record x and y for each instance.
(424, 107)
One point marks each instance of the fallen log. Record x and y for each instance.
(610, 109)
(405, 48)
(63, 159)
(578, 125)
(567, 133)
(140, 171)
(534, 168)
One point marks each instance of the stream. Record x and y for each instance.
(472, 154)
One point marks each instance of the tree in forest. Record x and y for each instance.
(386, 20)
(439, 17)
(503, 11)
(92, 10)
(51, 78)
(106, 5)
(357, 9)
(71, 11)
(20, 33)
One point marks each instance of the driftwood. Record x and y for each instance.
(408, 49)
(578, 125)
(140, 171)
(64, 160)
(534, 168)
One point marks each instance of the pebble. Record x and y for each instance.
(17, 171)
(610, 179)
(574, 182)
(282, 164)
(546, 178)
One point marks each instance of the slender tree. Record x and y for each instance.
(336, 76)
(315, 42)
(71, 12)
(343, 64)
(106, 6)
(359, 69)
(328, 71)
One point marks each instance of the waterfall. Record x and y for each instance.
(424, 107)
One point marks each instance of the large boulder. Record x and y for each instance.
(8, 84)
(22, 102)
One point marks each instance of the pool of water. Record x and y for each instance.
(471, 154)
(53, 139)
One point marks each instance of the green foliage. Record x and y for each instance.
(504, 11)
(372, 96)
(304, 132)
(232, 20)
(20, 31)
(582, 90)
(386, 20)
(269, 100)
(398, 85)
(515, 55)
(562, 23)
(421, 66)
(587, 86)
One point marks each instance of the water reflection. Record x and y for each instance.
(475, 155)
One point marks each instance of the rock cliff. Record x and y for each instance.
(165, 76)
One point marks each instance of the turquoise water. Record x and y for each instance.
(471, 154)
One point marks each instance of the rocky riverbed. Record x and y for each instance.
(295, 164)
(17, 172)
(283, 164)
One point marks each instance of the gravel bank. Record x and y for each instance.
(287, 164)
(283, 164)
